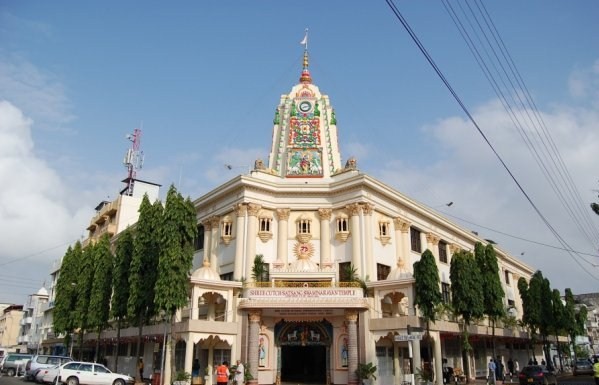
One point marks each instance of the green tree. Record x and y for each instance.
(559, 325)
(144, 266)
(493, 293)
(99, 303)
(427, 290)
(547, 316)
(84, 289)
(466, 294)
(64, 318)
(259, 271)
(178, 230)
(120, 283)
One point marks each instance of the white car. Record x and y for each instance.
(90, 373)
(47, 375)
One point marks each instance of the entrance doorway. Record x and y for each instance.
(303, 364)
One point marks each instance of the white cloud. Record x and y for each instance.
(38, 94)
(483, 193)
(33, 199)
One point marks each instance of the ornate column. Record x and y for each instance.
(368, 209)
(325, 238)
(351, 316)
(438, 359)
(432, 243)
(215, 229)
(398, 378)
(253, 210)
(253, 343)
(354, 212)
(207, 239)
(240, 211)
(282, 236)
(402, 245)
(188, 354)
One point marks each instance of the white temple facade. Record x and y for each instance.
(316, 223)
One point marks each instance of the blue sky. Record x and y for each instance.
(203, 80)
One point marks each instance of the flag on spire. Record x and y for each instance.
(304, 41)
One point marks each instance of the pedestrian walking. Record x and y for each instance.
(222, 374)
(239, 373)
(498, 369)
(491, 375)
(596, 370)
(510, 369)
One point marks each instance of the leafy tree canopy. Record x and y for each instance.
(427, 291)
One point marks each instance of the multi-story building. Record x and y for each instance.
(591, 339)
(277, 255)
(30, 335)
(10, 324)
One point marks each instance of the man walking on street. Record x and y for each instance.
(239, 373)
(596, 370)
(491, 376)
(222, 374)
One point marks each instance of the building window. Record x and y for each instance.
(382, 271)
(507, 277)
(226, 277)
(342, 228)
(198, 242)
(383, 228)
(442, 252)
(384, 236)
(304, 232)
(227, 227)
(345, 271)
(226, 230)
(264, 228)
(415, 240)
(445, 292)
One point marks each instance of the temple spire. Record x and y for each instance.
(305, 78)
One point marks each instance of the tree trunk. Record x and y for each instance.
(173, 347)
(96, 354)
(118, 341)
(493, 336)
(81, 345)
(137, 353)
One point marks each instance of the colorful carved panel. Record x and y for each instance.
(304, 162)
(303, 333)
(304, 132)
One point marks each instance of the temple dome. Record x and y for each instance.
(206, 272)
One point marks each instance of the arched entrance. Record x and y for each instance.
(304, 352)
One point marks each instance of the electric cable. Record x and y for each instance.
(440, 74)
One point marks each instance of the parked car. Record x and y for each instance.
(14, 363)
(41, 361)
(47, 375)
(90, 373)
(582, 366)
(536, 375)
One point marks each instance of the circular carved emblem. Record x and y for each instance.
(303, 250)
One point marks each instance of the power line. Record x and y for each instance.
(439, 73)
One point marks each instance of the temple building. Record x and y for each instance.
(303, 268)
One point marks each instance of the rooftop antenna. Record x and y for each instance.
(134, 159)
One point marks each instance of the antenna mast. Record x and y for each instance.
(134, 159)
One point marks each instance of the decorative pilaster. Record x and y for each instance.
(325, 238)
(253, 210)
(188, 355)
(354, 212)
(207, 239)
(368, 210)
(253, 344)
(351, 316)
(240, 212)
(432, 243)
(215, 223)
(282, 236)
(402, 245)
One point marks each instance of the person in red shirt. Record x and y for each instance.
(222, 374)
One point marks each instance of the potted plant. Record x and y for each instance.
(365, 372)
(182, 378)
(424, 375)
